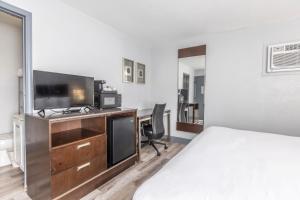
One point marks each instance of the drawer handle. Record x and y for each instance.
(83, 166)
(83, 145)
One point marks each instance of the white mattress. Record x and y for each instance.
(228, 164)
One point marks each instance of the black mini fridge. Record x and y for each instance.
(121, 139)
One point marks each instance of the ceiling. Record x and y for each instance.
(195, 62)
(159, 20)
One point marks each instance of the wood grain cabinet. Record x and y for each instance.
(80, 152)
(67, 155)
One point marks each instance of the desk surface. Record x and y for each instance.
(148, 112)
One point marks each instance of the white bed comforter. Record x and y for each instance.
(228, 164)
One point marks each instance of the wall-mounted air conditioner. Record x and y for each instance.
(284, 57)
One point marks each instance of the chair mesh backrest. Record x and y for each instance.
(158, 119)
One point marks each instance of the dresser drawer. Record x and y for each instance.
(63, 158)
(70, 178)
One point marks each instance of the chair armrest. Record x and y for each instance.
(146, 126)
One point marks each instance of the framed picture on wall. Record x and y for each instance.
(140, 73)
(128, 70)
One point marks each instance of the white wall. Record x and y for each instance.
(164, 82)
(238, 95)
(185, 69)
(66, 40)
(11, 60)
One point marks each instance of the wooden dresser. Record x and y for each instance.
(66, 155)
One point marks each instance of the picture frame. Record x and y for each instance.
(128, 70)
(140, 73)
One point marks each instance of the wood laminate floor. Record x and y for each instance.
(122, 187)
(11, 184)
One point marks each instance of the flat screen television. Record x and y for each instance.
(55, 90)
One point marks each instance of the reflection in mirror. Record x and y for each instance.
(191, 83)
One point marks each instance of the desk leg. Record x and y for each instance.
(139, 138)
(140, 121)
(169, 126)
(193, 114)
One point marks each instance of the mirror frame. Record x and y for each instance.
(184, 53)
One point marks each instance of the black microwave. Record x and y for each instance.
(108, 100)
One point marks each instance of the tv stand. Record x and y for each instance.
(42, 113)
(66, 155)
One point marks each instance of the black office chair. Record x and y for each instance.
(155, 130)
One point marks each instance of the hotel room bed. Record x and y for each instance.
(229, 164)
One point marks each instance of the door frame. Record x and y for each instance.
(26, 62)
(26, 51)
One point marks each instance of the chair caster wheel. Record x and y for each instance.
(166, 147)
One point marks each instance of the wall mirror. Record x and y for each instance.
(191, 84)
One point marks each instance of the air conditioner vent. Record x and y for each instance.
(286, 60)
(284, 57)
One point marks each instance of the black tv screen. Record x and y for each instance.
(55, 90)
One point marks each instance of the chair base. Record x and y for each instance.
(153, 142)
